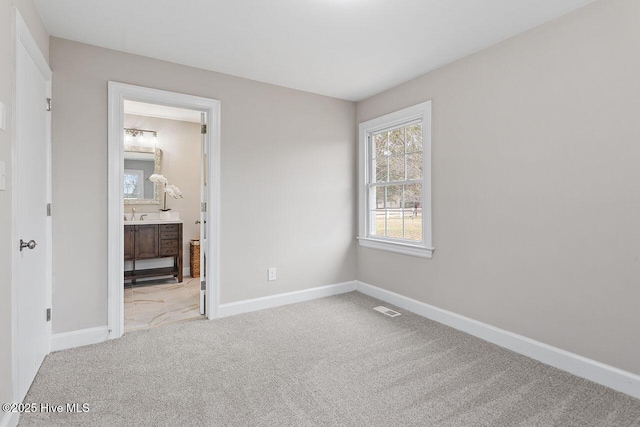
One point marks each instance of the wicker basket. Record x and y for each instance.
(194, 253)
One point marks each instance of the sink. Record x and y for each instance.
(151, 218)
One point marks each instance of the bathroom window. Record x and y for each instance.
(395, 185)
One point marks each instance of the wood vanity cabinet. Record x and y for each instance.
(145, 241)
(128, 242)
(152, 241)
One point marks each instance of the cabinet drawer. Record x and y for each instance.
(168, 251)
(168, 234)
(169, 243)
(168, 227)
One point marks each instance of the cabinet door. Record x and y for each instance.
(146, 245)
(128, 241)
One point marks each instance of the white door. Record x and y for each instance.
(203, 214)
(33, 125)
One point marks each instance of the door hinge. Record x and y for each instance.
(48, 104)
(203, 129)
(203, 285)
(48, 209)
(48, 315)
(203, 207)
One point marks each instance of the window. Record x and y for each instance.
(133, 184)
(395, 184)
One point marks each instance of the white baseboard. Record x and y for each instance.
(277, 300)
(10, 419)
(79, 338)
(617, 379)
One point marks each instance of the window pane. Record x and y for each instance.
(394, 197)
(413, 207)
(414, 138)
(379, 202)
(396, 141)
(414, 166)
(413, 226)
(394, 223)
(394, 211)
(380, 144)
(396, 168)
(412, 195)
(132, 187)
(381, 165)
(379, 217)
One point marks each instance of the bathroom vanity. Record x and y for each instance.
(147, 240)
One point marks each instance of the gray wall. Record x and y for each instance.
(288, 191)
(32, 18)
(536, 185)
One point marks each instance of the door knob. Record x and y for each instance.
(31, 244)
(198, 221)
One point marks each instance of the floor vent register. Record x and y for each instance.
(387, 311)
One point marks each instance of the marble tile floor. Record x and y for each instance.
(158, 302)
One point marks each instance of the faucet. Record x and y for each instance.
(142, 216)
(133, 214)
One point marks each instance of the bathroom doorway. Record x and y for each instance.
(163, 196)
(164, 166)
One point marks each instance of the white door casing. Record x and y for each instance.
(117, 94)
(31, 186)
(203, 213)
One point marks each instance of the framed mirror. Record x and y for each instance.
(139, 164)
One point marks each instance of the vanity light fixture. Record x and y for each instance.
(136, 138)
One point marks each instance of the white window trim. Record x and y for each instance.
(423, 249)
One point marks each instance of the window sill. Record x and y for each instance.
(400, 248)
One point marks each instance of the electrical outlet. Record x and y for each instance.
(272, 274)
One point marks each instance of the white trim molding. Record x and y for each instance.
(399, 248)
(606, 375)
(287, 298)
(82, 337)
(10, 419)
(79, 338)
(367, 184)
(117, 94)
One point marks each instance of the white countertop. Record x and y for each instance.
(153, 221)
(151, 218)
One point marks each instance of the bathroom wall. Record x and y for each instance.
(536, 185)
(32, 18)
(287, 180)
(180, 145)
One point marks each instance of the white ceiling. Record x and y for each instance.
(348, 49)
(161, 111)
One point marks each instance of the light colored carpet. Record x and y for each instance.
(333, 361)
